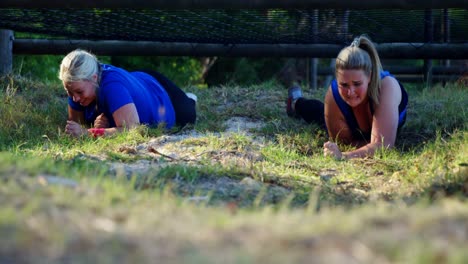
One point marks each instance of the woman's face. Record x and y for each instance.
(352, 86)
(82, 92)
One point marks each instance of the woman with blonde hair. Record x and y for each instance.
(104, 99)
(364, 106)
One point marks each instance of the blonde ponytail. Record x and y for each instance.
(362, 55)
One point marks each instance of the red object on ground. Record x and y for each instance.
(97, 132)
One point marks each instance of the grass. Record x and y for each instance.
(204, 195)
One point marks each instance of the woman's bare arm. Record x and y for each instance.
(126, 117)
(77, 116)
(338, 129)
(76, 123)
(385, 121)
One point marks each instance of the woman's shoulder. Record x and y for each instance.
(390, 90)
(330, 101)
(112, 74)
(108, 69)
(329, 93)
(389, 80)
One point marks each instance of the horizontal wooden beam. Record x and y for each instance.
(421, 78)
(237, 4)
(148, 48)
(408, 70)
(440, 70)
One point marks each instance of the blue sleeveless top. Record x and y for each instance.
(349, 115)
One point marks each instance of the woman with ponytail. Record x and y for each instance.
(364, 106)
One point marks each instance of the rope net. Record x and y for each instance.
(275, 26)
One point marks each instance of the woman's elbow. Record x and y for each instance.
(384, 142)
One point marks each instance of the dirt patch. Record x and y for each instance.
(242, 125)
(166, 150)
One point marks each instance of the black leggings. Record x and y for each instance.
(311, 110)
(184, 107)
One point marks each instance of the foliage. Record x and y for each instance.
(243, 71)
(38, 67)
(29, 110)
(184, 71)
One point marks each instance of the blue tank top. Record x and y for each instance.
(119, 87)
(349, 115)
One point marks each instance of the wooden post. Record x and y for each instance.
(314, 61)
(6, 51)
(446, 31)
(446, 35)
(428, 38)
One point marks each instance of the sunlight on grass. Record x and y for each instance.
(206, 194)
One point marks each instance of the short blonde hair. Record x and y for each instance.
(78, 65)
(362, 55)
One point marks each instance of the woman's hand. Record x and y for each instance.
(75, 129)
(331, 149)
(101, 122)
